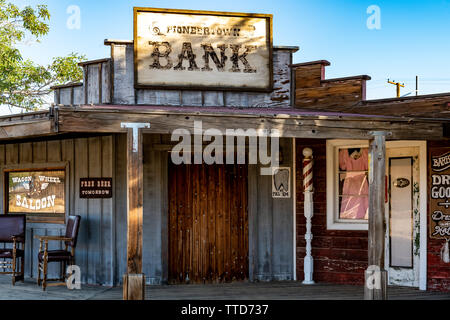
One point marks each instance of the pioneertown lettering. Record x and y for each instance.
(236, 54)
(232, 31)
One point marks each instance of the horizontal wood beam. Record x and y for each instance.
(290, 127)
(18, 129)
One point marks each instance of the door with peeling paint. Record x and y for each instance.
(402, 216)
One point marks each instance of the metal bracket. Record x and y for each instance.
(135, 126)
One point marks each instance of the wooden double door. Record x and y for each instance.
(208, 223)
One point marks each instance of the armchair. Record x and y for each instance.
(12, 231)
(65, 257)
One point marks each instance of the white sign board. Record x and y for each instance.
(281, 182)
(202, 50)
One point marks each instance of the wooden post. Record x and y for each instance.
(134, 280)
(308, 262)
(375, 276)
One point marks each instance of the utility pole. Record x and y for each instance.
(398, 84)
(417, 85)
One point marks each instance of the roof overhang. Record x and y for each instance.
(289, 122)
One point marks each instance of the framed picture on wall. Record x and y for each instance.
(39, 193)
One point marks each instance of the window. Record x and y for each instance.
(347, 184)
(39, 193)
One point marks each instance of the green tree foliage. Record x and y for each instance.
(23, 83)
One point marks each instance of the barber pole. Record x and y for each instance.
(308, 206)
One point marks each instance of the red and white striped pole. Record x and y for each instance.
(308, 189)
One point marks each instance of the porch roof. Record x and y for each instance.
(361, 113)
(291, 122)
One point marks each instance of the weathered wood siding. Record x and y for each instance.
(101, 250)
(270, 221)
(112, 82)
(271, 238)
(313, 91)
(208, 223)
(340, 256)
(83, 157)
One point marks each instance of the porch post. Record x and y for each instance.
(375, 276)
(308, 262)
(134, 279)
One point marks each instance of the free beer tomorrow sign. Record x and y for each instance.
(197, 49)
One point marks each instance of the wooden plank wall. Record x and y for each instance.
(101, 250)
(155, 236)
(313, 91)
(86, 157)
(270, 222)
(208, 223)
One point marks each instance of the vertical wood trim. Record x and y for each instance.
(294, 208)
(12, 154)
(377, 225)
(100, 83)
(108, 218)
(120, 188)
(54, 153)
(40, 152)
(2, 182)
(135, 203)
(26, 153)
(252, 220)
(81, 161)
(86, 80)
(72, 96)
(111, 74)
(57, 96)
(164, 217)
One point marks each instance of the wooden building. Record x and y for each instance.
(200, 223)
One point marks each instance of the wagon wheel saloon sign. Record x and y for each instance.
(202, 50)
(36, 191)
(440, 194)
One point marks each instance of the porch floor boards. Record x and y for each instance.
(234, 291)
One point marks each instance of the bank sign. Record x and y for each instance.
(182, 49)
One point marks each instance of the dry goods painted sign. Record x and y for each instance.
(95, 188)
(36, 191)
(202, 50)
(440, 193)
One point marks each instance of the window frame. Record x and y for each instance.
(332, 159)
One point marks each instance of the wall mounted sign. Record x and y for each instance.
(202, 50)
(440, 193)
(281, 183)
(96, 188)
(36, 191)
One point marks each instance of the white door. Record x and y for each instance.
(402, 216)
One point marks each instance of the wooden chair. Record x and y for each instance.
(65, 257)
(12, 231)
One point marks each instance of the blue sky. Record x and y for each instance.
(414, 38)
